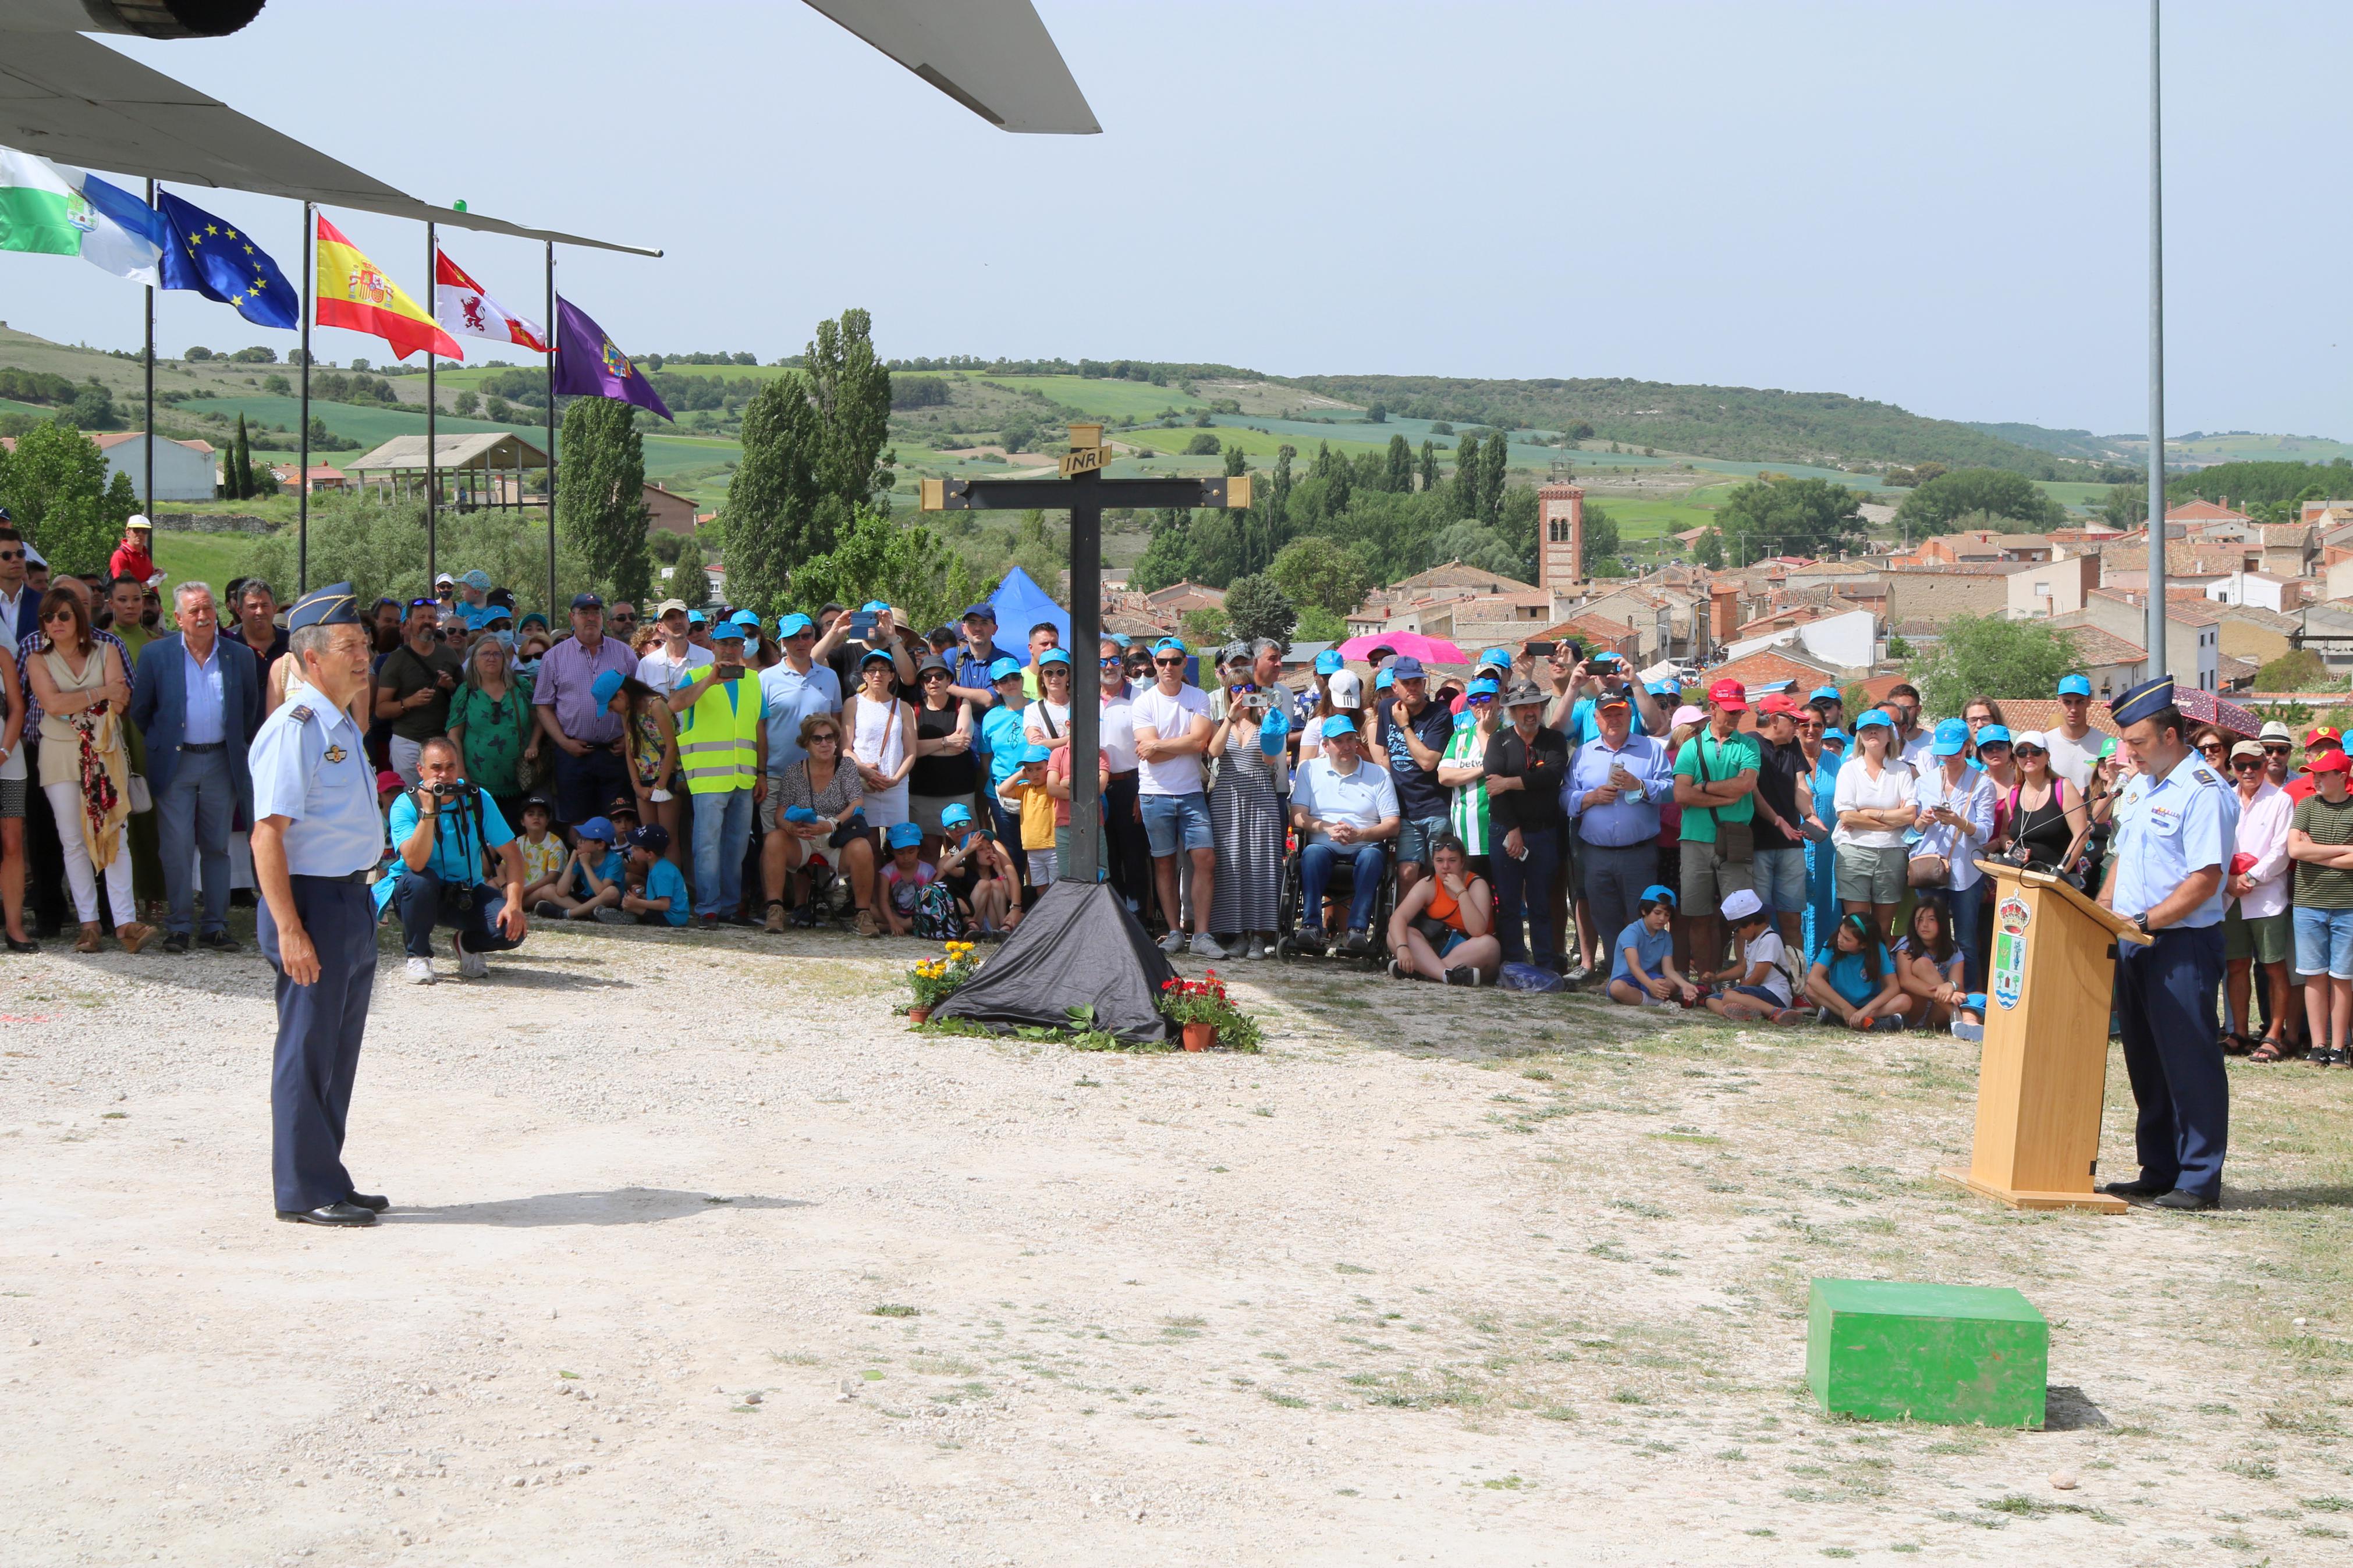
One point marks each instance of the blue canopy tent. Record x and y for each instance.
(1020, 604)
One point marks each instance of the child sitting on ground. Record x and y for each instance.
(655, 892)
(1854, 982)
(1644, 973)
(916, 902)
(1762, 988)
(1929, 965)
(979, 873)
(592, 878)
(543, 852)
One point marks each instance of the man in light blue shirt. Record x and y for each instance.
(793, 688)
(438, 878)
(2177, 829)
(196, 697)
(1342, 807)
(1615, 786)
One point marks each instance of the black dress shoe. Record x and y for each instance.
(329, 1214)
(177, 944)
(220, 942)
(2183, 1198)
(2137, 1189)
(372, 1202)
(16, 946)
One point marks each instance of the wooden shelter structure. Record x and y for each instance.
(476, 471)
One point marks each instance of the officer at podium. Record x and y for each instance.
(316, 835)
(2176, 828)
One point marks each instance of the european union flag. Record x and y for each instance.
(221, 262)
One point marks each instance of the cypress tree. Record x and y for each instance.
(1493, 456)
(238, 481)
(1466, 477)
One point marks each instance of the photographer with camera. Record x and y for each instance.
(442, 828)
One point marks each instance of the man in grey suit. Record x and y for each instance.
(197, 699)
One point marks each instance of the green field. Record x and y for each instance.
(2209, 450)
(2074, 493)
(370, 426)
(1261, 448)
(1111, 399)
(213, 558)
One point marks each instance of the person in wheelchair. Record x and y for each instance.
(1342, 807)
(1444, 926)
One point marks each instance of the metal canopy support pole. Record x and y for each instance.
(2155, 634)
(432, 407)
(554, 344)
(1086, 676)
(302, 473)
(149, 490)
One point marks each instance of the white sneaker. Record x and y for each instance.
(1173, 943)
(420, 972)
(470, 966)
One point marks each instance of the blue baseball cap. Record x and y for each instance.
(1659, 891)
(746, 618)
(799, 814)
(1835, 734)
(1993, 735)
(1495, 655)
(596, 827)
(955, 815)
(697, 618)
(1669, 687)
(1054, 656)
(978, 612)
(1121, 638)
(727, 631)
(873, 607)
(1952, 738)
(1034, 752)
(1385, 680)
(1171, 645)
(794, 624)
(1405, 667)
(1825, 694)
(1003, 667)
(873, 654)
(607, 682)
(477, 578)
(1482, 688)
(587, 602)
(1876, 716)
(905, 834)
(2075, 686)
(1604, 657)
(1329, 662)
(1339, 725)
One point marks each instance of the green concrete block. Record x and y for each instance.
(1960, 1355)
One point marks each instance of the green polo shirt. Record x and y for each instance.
(1706, 759)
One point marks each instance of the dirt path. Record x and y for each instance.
(702, 1255)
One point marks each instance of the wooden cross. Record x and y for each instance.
(1084, 492)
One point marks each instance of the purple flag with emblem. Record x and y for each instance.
(589, 364)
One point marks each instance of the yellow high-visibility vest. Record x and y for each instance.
(718, 738)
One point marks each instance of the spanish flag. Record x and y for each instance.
(355, 294)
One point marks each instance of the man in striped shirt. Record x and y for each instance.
(1462, 769)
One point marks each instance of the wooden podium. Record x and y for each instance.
(2049, 985)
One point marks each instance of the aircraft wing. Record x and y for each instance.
(994, 57)
(70, 98)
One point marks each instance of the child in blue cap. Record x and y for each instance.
(915, 901)
(979, 873)
(1642, 959)
(593, 878)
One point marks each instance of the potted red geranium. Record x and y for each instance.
(1205, 1016)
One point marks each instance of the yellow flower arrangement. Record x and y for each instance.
(935, 980)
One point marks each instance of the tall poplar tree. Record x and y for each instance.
(1400, 468)
(1466, 477)
(239, 477)
(851, 391)
(769, 517)
(1493, 456)
(1428, 466)
(600, 501)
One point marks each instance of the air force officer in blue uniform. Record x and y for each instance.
(316, 837)
(2177, 829)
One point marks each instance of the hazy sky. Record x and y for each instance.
(1938, 205)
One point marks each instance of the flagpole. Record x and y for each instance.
(302, 471)
(553, 327)
(432, 407)
(2155, 636)
(150, 377)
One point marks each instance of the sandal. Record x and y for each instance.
(2265, 1050)
(2235, 1043)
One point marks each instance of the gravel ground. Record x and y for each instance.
(700, 1255)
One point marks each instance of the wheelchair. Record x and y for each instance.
(1339, 890)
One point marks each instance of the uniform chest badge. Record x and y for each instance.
(335, 753)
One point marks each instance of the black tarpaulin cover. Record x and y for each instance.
(1079, 947)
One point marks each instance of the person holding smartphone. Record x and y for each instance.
(413, 685)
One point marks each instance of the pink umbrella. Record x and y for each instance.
(1429, 650)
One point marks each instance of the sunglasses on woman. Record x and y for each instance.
(827, 736)
(2022, 752)
(2212, 748)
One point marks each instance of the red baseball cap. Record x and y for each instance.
(2314, 736)
(1778, 702)
(1729, 694)
(2330, 762)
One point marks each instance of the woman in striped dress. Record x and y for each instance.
(1246, 818)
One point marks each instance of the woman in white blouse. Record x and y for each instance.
(1953, 806)
(1874, 803)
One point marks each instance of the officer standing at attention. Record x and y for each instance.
(2177, 829)
(316, 835)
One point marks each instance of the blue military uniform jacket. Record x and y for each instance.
(2166, 829)
(309, 764)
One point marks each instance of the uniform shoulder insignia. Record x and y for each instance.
(2204, 775)
(301, 714)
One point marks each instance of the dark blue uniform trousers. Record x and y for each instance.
(2165, 1001)
(319, 1030)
